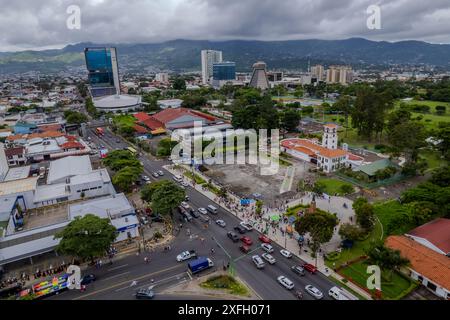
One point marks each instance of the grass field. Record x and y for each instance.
(433, 159)
(126, 120)
(386, 211)
(396, 288)
(227, 283)
(332, 186)
(430, 120)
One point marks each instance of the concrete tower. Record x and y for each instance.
(259, 76)
(330, 138)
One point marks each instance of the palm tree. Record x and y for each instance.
(387, 259)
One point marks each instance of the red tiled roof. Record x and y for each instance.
(437, 232)
(351, 156)
(49, 127)
(153, 123)
(46, 134)
(424, 261)
(14, 151)
(141, 116)
(330, 125)
(72, 145)
(170, 114)
(140, 129)
(301, 144)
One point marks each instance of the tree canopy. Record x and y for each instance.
(166, 197)
(320, 225)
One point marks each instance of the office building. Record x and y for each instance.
(275, 76)
(103, 70)
(223, 72)
(259, 76)
(318, 72)
(339, 74)
(162, 77)
(209, 57)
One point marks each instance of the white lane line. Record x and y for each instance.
(115, 276)
(118, 267)
(153, 284)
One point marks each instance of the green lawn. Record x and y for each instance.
(359, 248)
(396, 288)
(332, 186)
(227, 283)
(430, 120)
(433, 159)
(388, 210)
(126, 120)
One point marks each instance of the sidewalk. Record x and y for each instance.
(288, 242)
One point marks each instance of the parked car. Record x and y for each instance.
(145, 294)
(221, 223)
(178, 178)
(316, 293)
(240, 229)
(233, 236)
(186, 255)
(202, 210)
(247, 240)
(259, 263)
(155, 174)
(89, 278)
(310, 268)
(246, 226)
(269, 258)
(185, 205)
(264, 239)
(204, 218)
(244, 248)
(267, 247)
(298, 270)
(161, 173)
(285, 282)
(194, 213)
(286, 253)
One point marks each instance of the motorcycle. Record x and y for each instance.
(299, 295)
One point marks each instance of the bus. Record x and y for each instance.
(132, 150)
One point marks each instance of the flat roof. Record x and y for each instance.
(117, 101)
(18, 173)
(68, 167)
(105, 207)
(18, 186)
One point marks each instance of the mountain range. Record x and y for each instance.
(184, 55)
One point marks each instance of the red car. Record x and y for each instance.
(247, 240)
(264, 239)
(309, 267)
(244, 248)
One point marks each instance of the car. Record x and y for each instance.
(144, 294)
(194, 213)
(186, 255)
(184, 184)
(146, 178)
(221, 223)
(204, 218)
(155, 174)
(247, 240)
(298, 270)
(211, 209)
(264, 239)
(309, 267)
(246, 226)
(89, 278)
(259, 263)
(268, 258)
(178, 178)
(185, 205)
(267, 247)
(144, 220)
(160, 172)
(117, 140)
(186, 198)
(316, 293)
(202, 210)
(285, 282)
(233, 236)
(244, 248)
(240, 229)
(286, 253)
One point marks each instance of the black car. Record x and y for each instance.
(145, 294)
(298, 270)
(195, 214)
(233, 236)
(87, 279)
(240, 229)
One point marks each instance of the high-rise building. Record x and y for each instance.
(339, 74)
(209, 57)
(224, 70)
(162, 77)
(275, 76)
(318, 72)
(259, 76)
(103, 70)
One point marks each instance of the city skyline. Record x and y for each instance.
(43, 25)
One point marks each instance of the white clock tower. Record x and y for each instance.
(330, 137)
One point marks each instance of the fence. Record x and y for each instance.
(371, 185)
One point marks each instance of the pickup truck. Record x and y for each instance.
(200, 264)
(186, 255)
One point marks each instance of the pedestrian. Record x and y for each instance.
(133, 283)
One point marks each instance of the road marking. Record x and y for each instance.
(124, 282)
(118, 267)
(180, 276)
(117, 275)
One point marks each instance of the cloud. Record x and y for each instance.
(36, 24)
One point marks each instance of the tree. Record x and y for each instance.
(319, 225)
(193, 101)
(167, 197)
(351, 232)
(119, 159)
(443, 136)
(365, 215)
(387, 259)
(86, 237)
(344, 105)
(319, 187)
(125, 177)
(179, 84)
(165, 147)
(441, 177)
(149, 189)
(262, 115)
(73, 117)
(407, 137)
(346, 188)
(290, 119)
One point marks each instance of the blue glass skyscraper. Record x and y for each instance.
(223, 71)
(103, 71)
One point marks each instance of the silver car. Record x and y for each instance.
(268, 258)
(221, 223)
(316, 293)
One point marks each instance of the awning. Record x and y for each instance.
(158, 131)
(275, 218)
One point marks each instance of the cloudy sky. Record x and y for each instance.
(40, 24)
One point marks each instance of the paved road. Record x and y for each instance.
(114, 282)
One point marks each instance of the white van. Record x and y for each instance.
(340, 294)
(212, 209)
(177, 178)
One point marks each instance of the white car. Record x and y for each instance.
(247, 226)
(146, 178)
(184, 184)
(286, 253)
(267, 247)
(221, 223)
(155, 174)
(186, 255)
(268, 258)
(185, 205)
(178, 178)
(202, 210)
(161, 173)
(285, 282)
(316, 293)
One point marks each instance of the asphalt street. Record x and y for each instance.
(163, 271)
